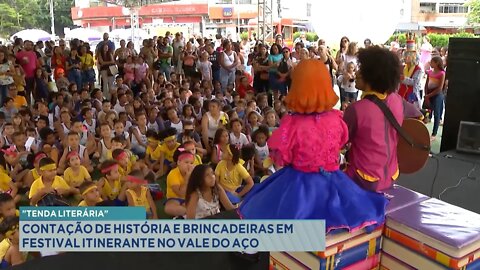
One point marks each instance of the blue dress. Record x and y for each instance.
(310, 184)
(332, 196)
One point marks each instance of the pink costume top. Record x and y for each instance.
(309, 143)
(372, 159)
(434, 79)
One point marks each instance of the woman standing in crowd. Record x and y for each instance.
(228, 64)
(327, 59)
(72, 67)
(87, 63)
(189, 58)
(341, 60)
(58, 61)
(106, 60)
(434, 92)
(6, 72)
(260, 69)
(131, 49)
(274, 59)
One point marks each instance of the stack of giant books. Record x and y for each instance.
(348, 251)
(431, 234)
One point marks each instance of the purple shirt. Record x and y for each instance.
(372, 157)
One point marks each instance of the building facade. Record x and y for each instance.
(437, 15)
(202, 16)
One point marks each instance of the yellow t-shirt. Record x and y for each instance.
(35, 174)
(37, 185)
(75, 180)
(4, 246)
(154, 155)
(5, 182)
(197, 161)
(87, 61)
(19, 101)
(5, 243)
(111, 192)
(231, 180)
(141, 200)
(84, 203)
(124, 172)
(168, 154)
(174, 178)
(19, 82)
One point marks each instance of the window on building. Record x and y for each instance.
(309, 9)
(428, 7)
(452, 8)
(226, 1)
(243, 2)
(96, 3)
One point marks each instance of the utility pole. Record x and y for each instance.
(265, 20)
(52, 18)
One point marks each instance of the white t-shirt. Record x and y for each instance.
(262, 151)
(349, 87)
(239, 141)
(204, 68)
(119, 108)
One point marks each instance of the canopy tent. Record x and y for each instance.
(410, 27)
(32, 35)
(84, 34)
(127, 34)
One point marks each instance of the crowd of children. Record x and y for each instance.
(148, 126)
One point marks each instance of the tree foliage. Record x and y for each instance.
(474, 12)
(16, 15)
(437, 40)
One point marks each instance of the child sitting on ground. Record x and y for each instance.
(76, 173)
(152, 156)
(139, 195)
(167, 149)
(177, 181)
(204, 194)
(13, 256)
(90, 194)
(231, 174)
(110, 185)
(49, 183)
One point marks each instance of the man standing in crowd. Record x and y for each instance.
(27, 58)
(213, 56)
(177, 44)
(63, 46)
(111, 45)
(165, 52)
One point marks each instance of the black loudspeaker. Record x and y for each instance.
(463, 97)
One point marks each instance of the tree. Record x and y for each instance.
(8, 20)
(474, 12)
(61, 11)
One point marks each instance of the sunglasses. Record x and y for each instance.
(286, 51)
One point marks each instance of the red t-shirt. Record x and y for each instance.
(28, 61)
(242, 90)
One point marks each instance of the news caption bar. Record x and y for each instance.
(121, 229)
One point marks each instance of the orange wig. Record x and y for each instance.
(311, 90)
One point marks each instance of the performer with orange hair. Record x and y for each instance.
(307, 145)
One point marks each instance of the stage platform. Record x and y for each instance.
(446, 170)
